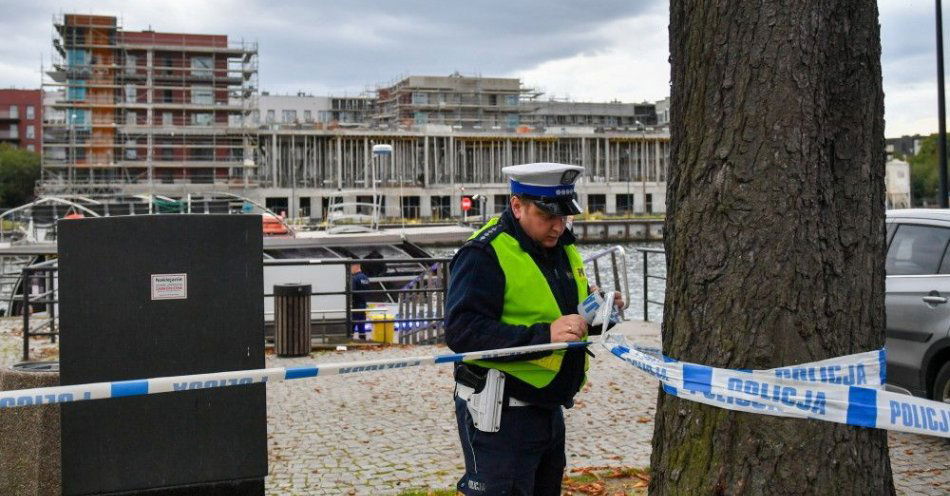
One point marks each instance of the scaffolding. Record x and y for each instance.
(146, 107)
(462, 102)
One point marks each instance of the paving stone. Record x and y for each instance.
(386, 432)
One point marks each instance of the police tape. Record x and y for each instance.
(141, 387)
(846, 390)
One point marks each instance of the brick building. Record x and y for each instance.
(21, 118)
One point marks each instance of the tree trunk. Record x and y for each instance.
(774, 235)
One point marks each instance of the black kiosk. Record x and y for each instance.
(162, 295)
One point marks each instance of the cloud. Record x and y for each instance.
(600, 51)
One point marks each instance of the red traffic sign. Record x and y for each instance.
(466, 203)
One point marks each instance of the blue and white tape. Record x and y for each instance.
(847, 390)
(141, 387)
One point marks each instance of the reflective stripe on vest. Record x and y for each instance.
(529, 300)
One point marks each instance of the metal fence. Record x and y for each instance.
(646, 252)
(412, 292)
(413, 303)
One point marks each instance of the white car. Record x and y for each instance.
(917, 302)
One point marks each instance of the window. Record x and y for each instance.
(31, 113)
(131, 118)
(597, 203)
(649, 203)
(130, 93)
(513, 120)
(511, 99)
(14, 131)
(75, 91)
(365, 204)
(77, 116)
(167, 96)
(440, 207)
(131, 153)
(168, 119)
(31, 132)
(501, 203)
(421, 117)
(410, 207)
(201, 66)
(202, 119)
(916, 250)
(625, 204)
(307, 116)
(75, 57)
(14, 112)
(288, 116)
(131, 61)
(270, 116)
(256, 117)
(420, 98)
(202, 95)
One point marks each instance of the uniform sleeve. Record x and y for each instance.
(474, 304)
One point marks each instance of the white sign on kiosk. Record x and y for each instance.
(169, 286)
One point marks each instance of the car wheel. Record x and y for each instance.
(942, 384)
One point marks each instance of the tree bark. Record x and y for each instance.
(774, 235)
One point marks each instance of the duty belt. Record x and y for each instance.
(465, 392)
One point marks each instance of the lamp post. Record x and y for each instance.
(380, 151)
(941, 111)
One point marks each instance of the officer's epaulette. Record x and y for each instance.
(485, 237)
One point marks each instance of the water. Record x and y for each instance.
(656, 264)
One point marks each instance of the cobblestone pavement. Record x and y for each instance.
(386, 432)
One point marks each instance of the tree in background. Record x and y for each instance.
(19, 171)
(774, 235)
(924, 176)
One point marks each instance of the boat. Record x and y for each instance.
(392, 258)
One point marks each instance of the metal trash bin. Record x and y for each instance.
(30, 446)
(292, 319)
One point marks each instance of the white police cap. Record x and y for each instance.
(549, 185)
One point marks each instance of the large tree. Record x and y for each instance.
(774, 235)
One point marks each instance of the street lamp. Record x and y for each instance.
(941, 111)
(482, 200)
(380, 151)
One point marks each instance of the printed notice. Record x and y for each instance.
(169, 286)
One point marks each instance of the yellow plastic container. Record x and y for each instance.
(383, 332)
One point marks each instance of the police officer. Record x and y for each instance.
(517, 282)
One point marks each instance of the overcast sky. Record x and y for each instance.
(587, 51)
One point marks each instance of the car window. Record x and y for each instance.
(945, 263)
(916, 250)
(891, 227)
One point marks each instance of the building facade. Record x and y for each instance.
(613, 116)
(145, 106)
(304, 171)
(455, 101)
(313, 111)
(21, 118)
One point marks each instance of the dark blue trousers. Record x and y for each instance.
(525, 457)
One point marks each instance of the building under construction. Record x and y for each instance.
(462, 102)
(144, 107)
(302, 172)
